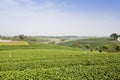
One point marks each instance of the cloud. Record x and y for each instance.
(50, 18)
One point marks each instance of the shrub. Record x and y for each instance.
(118, 47)
(97, 48)
(100, 50)
(105, 47)
(87, 46)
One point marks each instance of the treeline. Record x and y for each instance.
(108, 46)
(115, 36)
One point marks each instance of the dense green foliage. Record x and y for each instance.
(114, 36)
(84, 42)
(50, 62)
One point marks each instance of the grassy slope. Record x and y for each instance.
(83, 42)
(93, 42)
(43, 62)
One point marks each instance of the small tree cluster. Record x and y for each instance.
(106, 47)
(21, 36)
(114, 36)
(88, 46)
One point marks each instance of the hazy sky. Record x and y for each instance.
(60, 17)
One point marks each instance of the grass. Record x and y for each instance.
(50, 62)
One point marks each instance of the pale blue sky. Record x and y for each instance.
(60, 17)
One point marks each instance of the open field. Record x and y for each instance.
(14, 43)
(51, 62)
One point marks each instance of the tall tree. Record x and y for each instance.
(114, 36)
(21, 36)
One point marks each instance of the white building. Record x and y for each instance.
(118, 39)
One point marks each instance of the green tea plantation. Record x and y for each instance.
(51, 62)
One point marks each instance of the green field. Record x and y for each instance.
(50, 62)
(14, 43)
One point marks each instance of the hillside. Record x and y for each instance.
(92, 43)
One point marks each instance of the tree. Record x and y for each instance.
(0, 36)
(114, 36)
(118, 47)
(21, 36)
(105, 46)
(88, 46)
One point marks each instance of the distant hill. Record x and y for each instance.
(59, 37)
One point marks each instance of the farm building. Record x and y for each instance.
(118, 39)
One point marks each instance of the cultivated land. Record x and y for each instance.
(94, 42)
(39, 61)
(105, 44)
(14, 43)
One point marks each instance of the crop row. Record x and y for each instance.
(46, 64)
